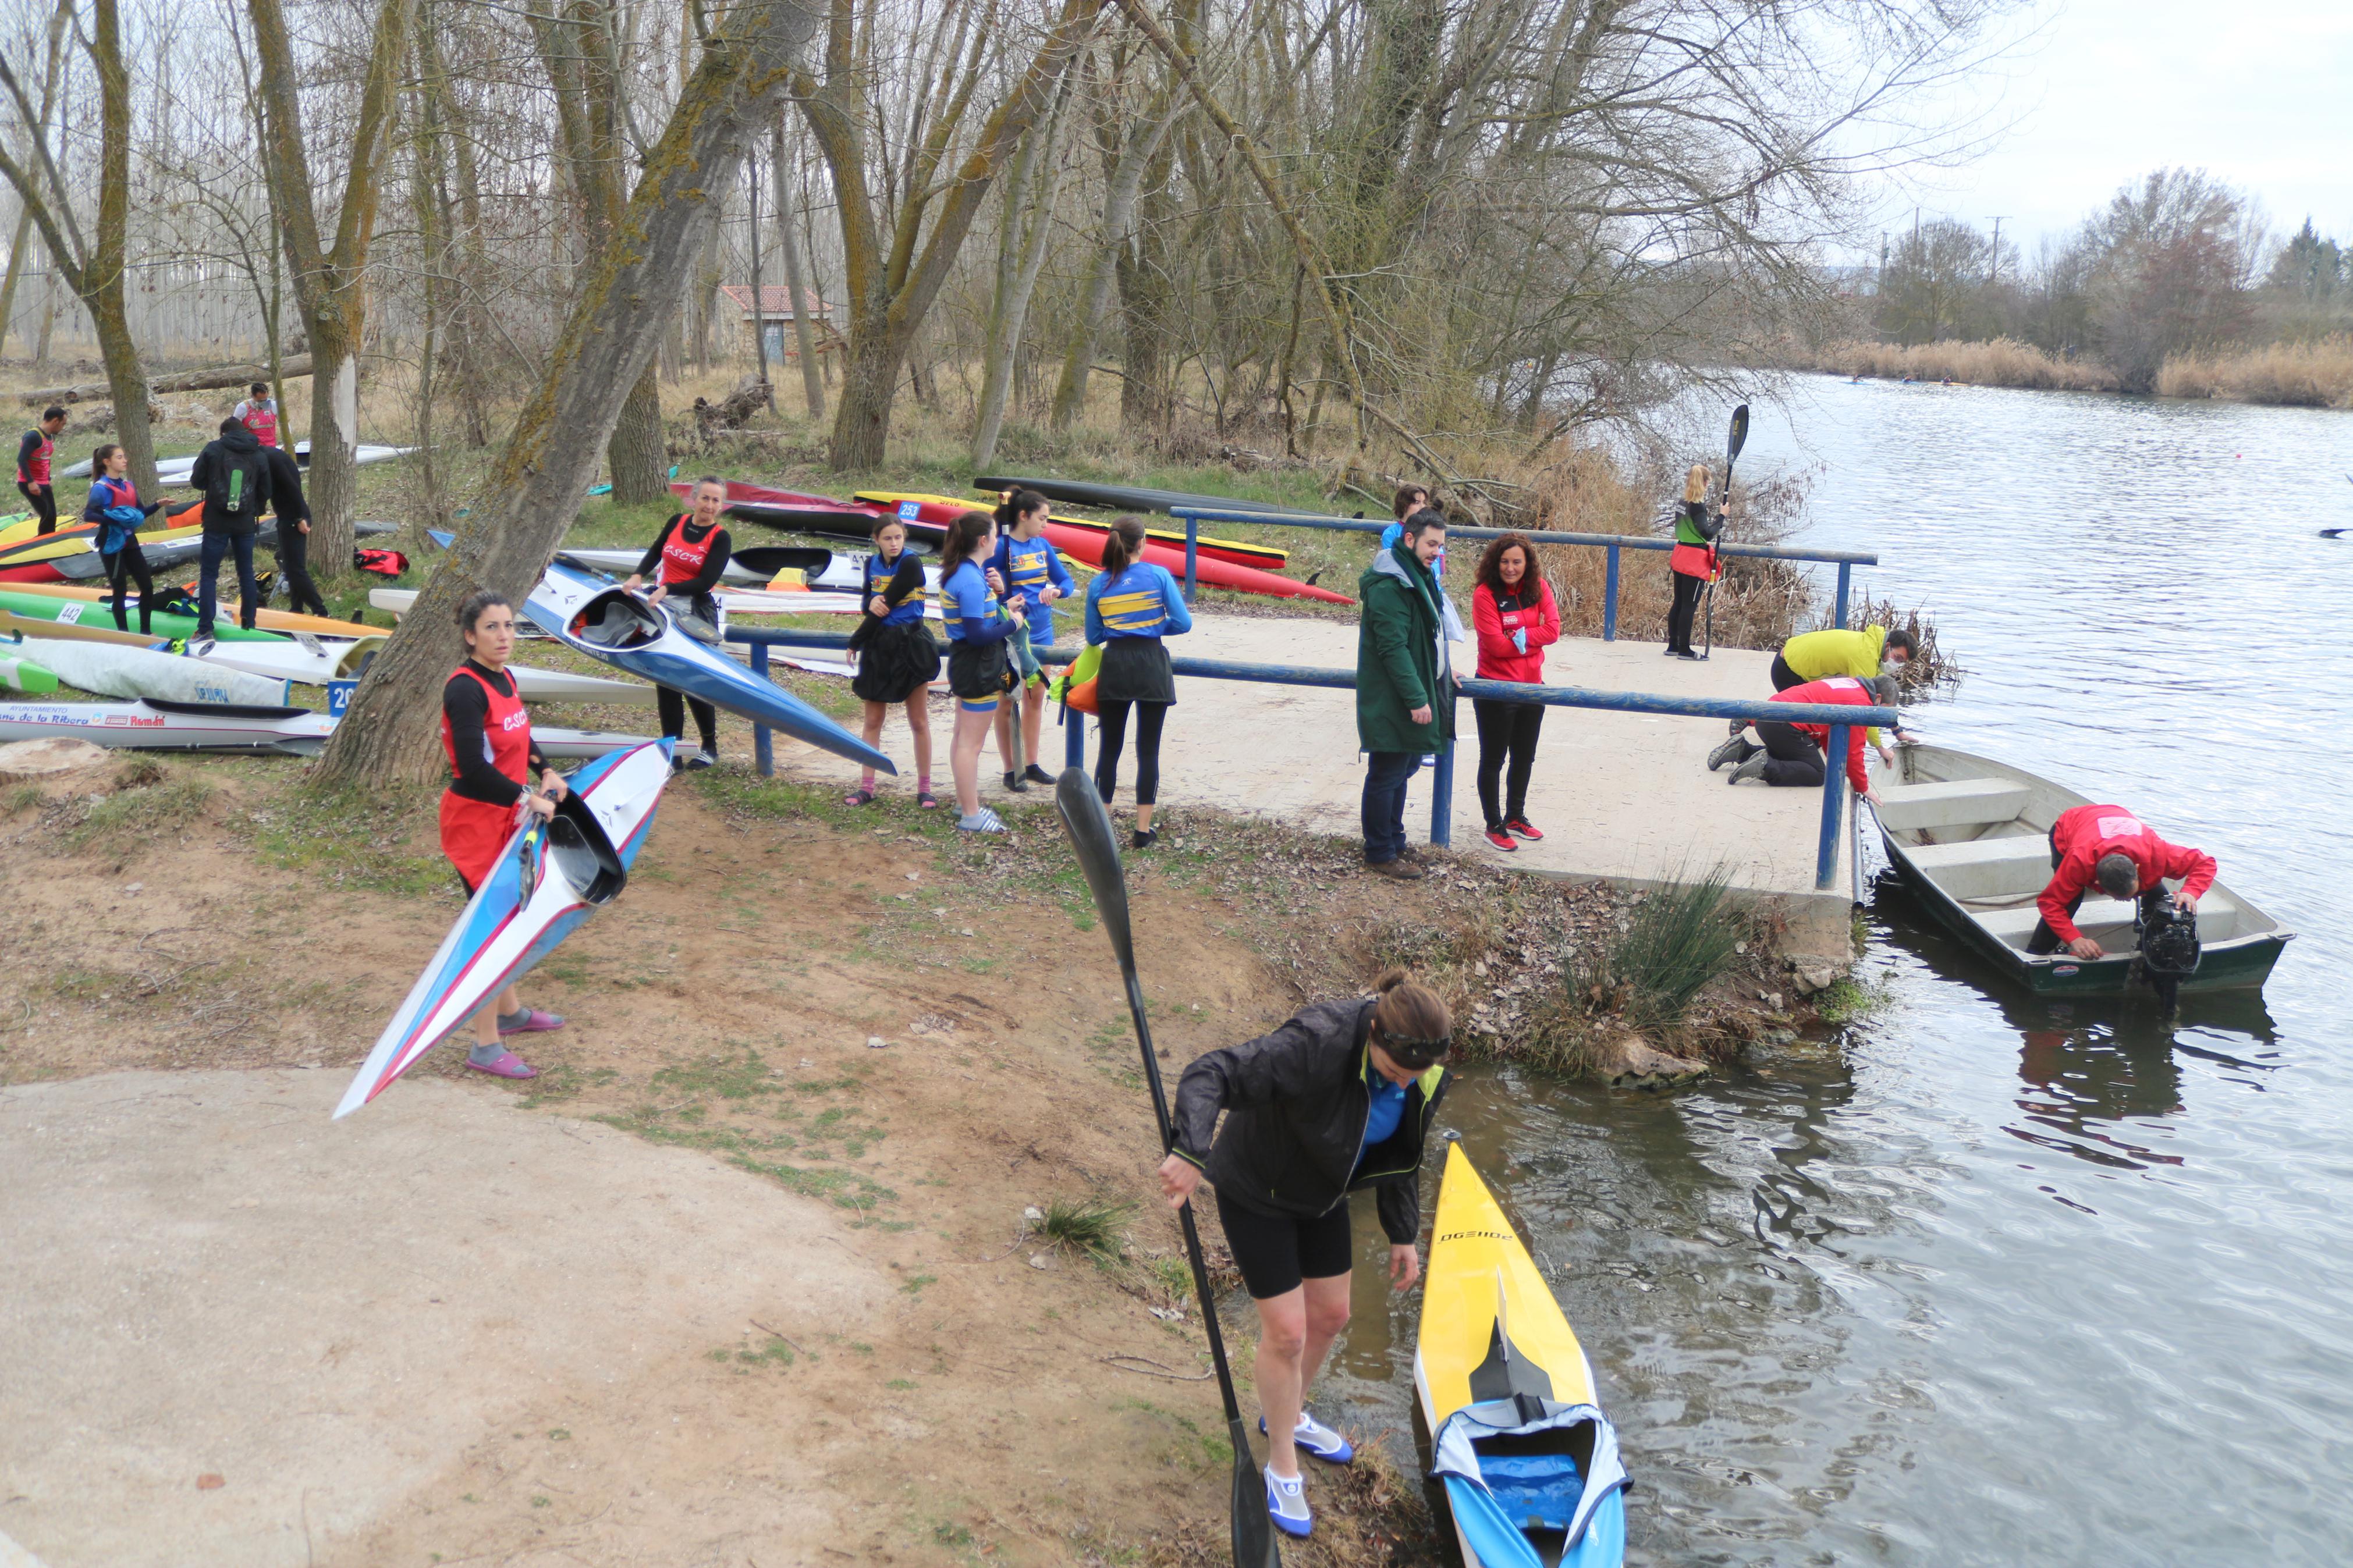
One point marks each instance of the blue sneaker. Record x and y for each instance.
(1317, 1439)
(1286, 1502)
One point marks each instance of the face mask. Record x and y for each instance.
(1892, 666)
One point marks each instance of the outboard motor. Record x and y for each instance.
(2169, 948)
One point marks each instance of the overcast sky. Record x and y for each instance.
(2258, 92)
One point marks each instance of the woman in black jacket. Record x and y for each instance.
(1340, 1098)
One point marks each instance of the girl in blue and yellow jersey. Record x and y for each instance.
(1131, 605)
(897, 659)
(1028, 568)
(978, 671)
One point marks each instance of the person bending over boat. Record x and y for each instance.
(1693, 562)
(1339, 1098)
(692, 554)
(1031, 567)
(2107, 845)
(1517, 619)
(293, 511)
(115, 506)
(486, 733)
(978, 671)
(1132, 604)
(1819, 656)
(33, 478)
(1792, 755)
(897, 658)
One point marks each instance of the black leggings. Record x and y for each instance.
(1149, 717)
(672, 705)
(44, 505)
(1506, 730)
(1679, 618)
(294, 566)
(125, 566)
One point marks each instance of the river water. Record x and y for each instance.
(1996, 1281)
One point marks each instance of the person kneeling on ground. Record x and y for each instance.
(1818, 656)
(1792, 754)
(1405, 683)
(486, 732)
(2111, 846)
(1340, 1098)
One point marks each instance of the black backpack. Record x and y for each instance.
(237, 483)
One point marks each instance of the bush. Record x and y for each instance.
(1088, 1227)
(1681, 936)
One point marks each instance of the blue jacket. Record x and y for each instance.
(880, 577)
(1029, 567)
(970, 610)
(1142, 602)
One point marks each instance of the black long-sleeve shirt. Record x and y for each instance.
(26, 450)
(714, 565)
(469, 713)
(286, 497)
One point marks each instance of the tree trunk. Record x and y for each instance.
(1141, 147)
(804, 339)
(331, 486)
(18, 249)
(637, 453)
(861, 420)
(1019, 254)
(610, 337)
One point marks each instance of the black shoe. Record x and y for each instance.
(706, 758)
(1395, 870)
(1686, 653)
(1017, 784)
(1145, 837)
(1037, 775)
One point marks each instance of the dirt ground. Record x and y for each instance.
(743, 1277)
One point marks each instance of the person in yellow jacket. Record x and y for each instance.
(1818, 656)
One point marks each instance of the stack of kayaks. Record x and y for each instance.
(175, 470)
(70, 554)
(1528, 1462)
(166, 726)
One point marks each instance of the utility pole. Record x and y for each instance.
(1996, 248)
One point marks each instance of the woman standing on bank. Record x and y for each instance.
(1517, 619)
(1029, 567)
(1693, 561)
(486, 734)
(1339, 1098)
(115, 506)
(691, 552)
(897, 659)
(978, 671)
(1132, 604)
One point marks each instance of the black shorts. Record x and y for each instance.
(1275, 1252)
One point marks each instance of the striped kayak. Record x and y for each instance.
(620, 628)
(105, 670)
(43, 559)
(1528, 1462)
(551, 877)
(1265, 557)
(74, 612)
(164, 726)
(1133, 497)
(267, 620)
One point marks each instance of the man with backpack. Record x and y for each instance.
(234, 476)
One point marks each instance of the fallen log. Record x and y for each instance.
(238, 375)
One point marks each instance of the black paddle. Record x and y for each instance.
(1090, 835)
(1732, 445)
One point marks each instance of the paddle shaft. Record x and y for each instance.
(1736, 438)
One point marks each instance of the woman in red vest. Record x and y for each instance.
(487, 734)
(691, 552)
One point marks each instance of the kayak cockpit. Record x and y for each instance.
(617, 619)
(583, 854)
(1527, 1480)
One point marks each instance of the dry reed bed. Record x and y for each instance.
(2314, 374)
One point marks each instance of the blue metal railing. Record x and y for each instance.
(1441, 805)
(1846, 560)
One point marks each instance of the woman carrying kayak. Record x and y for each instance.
(978, 668)
(115, 506)
(897, 659)
(691, 552)
(487, 734)
(1030, 568)
(1132, 604)
(1340, 1098)
(1516, 620)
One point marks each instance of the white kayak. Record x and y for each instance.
(551, 877)
(789, 567)
(162, 726)
(107, 670)
(306, 660)
(175, 470)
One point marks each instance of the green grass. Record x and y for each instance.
(1090, 1228)
(386, 838)
(1845, 1000)
(141, 814)
(1683, 935)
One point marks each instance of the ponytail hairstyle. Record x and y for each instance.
(966, 534)
(470, 611)
(1015, 503)
(1695, 484)
(1411, 1022)
(1123, 546)
(98, 459)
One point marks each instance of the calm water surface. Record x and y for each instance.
(2002, 1282)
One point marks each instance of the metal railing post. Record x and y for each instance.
(1833, 797)
(1075, 738)
(763, 741)
(1610, 601)
(1192, 556)
(1846, 577)
(1441, 789)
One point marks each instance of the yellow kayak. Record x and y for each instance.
(1529, 1463)
(267, 620)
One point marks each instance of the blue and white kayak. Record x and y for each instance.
(551, 877)
(161, 725)
(622, 629)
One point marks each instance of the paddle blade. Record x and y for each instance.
(1254, 1544)
(1739, 437)
(1091, 838)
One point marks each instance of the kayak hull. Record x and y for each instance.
(549, 877)
(792, 509)
(1133, 497)
(70, 611)
(214, 726)
(106, 669)
(267, 620)
(19, 673)
(942, 508)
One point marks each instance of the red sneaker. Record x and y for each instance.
(1501, 840)
(1524, 828)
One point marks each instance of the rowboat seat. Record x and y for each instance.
(1955, 803)
(2218, 918)
(1987, 867)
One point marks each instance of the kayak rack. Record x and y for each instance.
(1839, 717)
(1615, 543)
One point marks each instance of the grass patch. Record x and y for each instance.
(385, 838)
(138, 814)
(1847, 1000)
(1680, 937)
(1092, 1227)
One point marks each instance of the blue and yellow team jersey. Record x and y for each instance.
(1142, 602)
(970, 610)
(879, 573)
(1029, 567)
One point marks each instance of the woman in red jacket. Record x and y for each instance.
(1512, 610)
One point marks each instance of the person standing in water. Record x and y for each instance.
(978, 671)
(691, 552)
(1339, 1098)
(33, 479)
(115, 506)
(1029, 567)
(897, 657)
(1514, 611)
(1132, 604)
(1693, 562)
(486, 734)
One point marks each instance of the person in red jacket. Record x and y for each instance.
(33, 466)
(1793, 757)
(2111, 846)
(1512, 610)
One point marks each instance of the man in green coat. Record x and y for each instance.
(1405, 683)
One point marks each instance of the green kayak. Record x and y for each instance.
(96, 613)
(18, 673)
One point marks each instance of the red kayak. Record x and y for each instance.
(1087, 545)
(1265, 557)
(791, 508)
